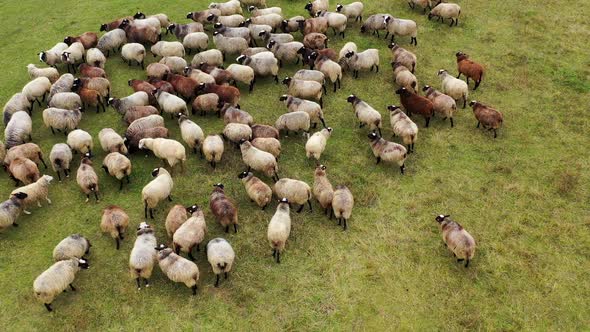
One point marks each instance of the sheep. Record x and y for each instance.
(38, 87)
(273, 20)
(87, 179)
(95, 57)
(443, 104)
(457, 239)
(10, 210)
(403, 126)
(121, 105)
(223, 208)
(162, 85)
(184, 86)
(177, 268)
(138, 112)
(166, 149)
(87, 70)
(403, 77)
(229, 45)
(18, 130)
(212, 148)
(313, 109)
(210, 57)
(258, 191)
(227, 94)
(175, 64)
(191, 233)
(304, 89)
(469, 68)
(315, 40)
(157, 190)
(139, 85)
(243, 74)
(297, 192)
(293, 121)
(162, 18)
(114, 221)
(254, 11)
(414, 103)
(18, 102)
(235, 132)
(315, 24)
(374, 23)
(89, 97)
(310, 75)
(221, 256)
(401, 27)
(421, 3)
(368, 59)
(143, 34)
(51, 73)
(235, 115)
(181, 30)
(191, 133)
(133, 52)
(118, 166)
(262, 64)
(292, 24)
(366, 114)
(260, 130)
(73, 55)
(134, 135)
(487, 116)
(349, 46)
(342, 204)
(201, 16)
(141, 21)
(170, 103)
(207, 102)
(28, 150)
(143, 255)
(157, 70)
(23, 170)
(336, 21)
(73, 246)
(115, 24)
(255, 31)
(175, 218)
(353, 10)
(231, 21)
(454, 87)
(259, 160)
(322, 189)
(63, 84)
(315, 145)
(329, 68)
(60, 157)
(80, 141)
(99, 84)
(446, 10)
(287, 52)
(403, 56)
(220, 75)
(111, 41)
(66, 100)
(56, 279)
(316, 5)
(195, 41)
(198, 75)
(280, 38)
(257, 3)
(52, 56)
(388, 151)
(227, 8)
(62, 119)
(279, 229)
(164, 48)
(35, 192)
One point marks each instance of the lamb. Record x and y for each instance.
(51, 73)
(262, 64)
(268, 144)
(143, 34)
(446, 10)
(23, 170)
(166, 149)
(366, 114)
(401, 27)
(254, 11)
(221, 256)
(66, 100)
(118, 166)
(164, 48)
(469, 68)
(374, 23)
(114, 221)
(87, 70)
(336, 21)
(258, 191)
(353, 10)
(80, 141)
(235, 132)
(201, 16)
(95, 57)
(227, 8)
(210, 57)
(191, 133)
(329, 68)
(133, 52)
(322, 189)
(73, 246)
(191, 233)
(366, 60)
(279, 229)
(316, 5)
(223, 208)
(177, 268)
(10, 210)
(388, 151)
(18, 130)
(273, 20)
(56, 279)
(232, 21)
(243, 74)
(454, 87)
(403, 77)
(293, 121)
(170, 103)
(457, 239)
(115, 24)
(87, 39)
(259, 160)
(157, 70)
(73, 55)
(204, 103)
(443, 104)
(280, 38)
(195, 41)
(292, 24)
(174, 63)
(38, 87)
(414, 103)
(342, 204)
(260, 130)
(138, 112)
(487, 116)
(403, 56)
(157, 190)
(60, 157)
(304, 89)
(28, 150)
(315, 24)
(212, 148)
(87, 178)
(62, 119)
(315, 145)
(112, 41)
(236, 115)
(18, 102)
(227, 94)
(181, 30)
(229, 45)
(52, 56)
(315, 40)
(297, 192)
(143, 255)
(403, 126)
(35, 192)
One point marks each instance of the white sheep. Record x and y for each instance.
(279, 229)
(401, 27)
(227, 8)
(73, 55)
(259, 160)
(241, 73)
(263, 63)
(73, 246)
(35, 192)
(403, 77)
(66, 100)
(329, 68)
(87, 178)
(175, 64)
(220, 255)
(446, 10)
(315, 6)
(56, 279)
(213, 149)
(235, 132)
(366, 114)
(111, 41)
(316, 144)
(389, 152)
(296, 191)
(403, 56)
(164, 48)
(117, 165)
(18, 130)
(229, 45)
(349, 46)
(177, 268)
(38, 87)
(257, 190)
(52, 56)
(342, 204)
(310, 90)
(157, 190)
(322, 189)
(133, 52)
(285, 52)
(191, 133)
(110, 141)
(191, 233)
(274, 20)
(51, 73)
(95, 57)
(61, 119)
(60, 157)
(80, 141)
(232, 21)
(268, 144)
(403, 126)
(195, 41)
(352, 10)
(336, 21)
(18, 102)
(177, 215)
(210, 57)
(171, 104)
(143, 255)
(293, 121)
(365, 60)
(114, 221)
(10, 210)
(121, 105)
(166, 149)
(443, 105)
(454, 87)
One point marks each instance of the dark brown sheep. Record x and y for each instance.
(469, 68)
(87, 70)
(162, 85)
(227, 94)
(184, 86)
(114, 24)
(260, 130)
(132, 137)
(315, 40)
(138, 112)
(143, 35)
(414, 103)
(139, 85)
(88, 39)
(224, 209)
(488, 117)
(89, 97)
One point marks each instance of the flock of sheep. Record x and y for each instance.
(208, 87)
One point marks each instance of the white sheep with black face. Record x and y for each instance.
(56, 279)
(143, 255)
(220, 255)
(178, 268)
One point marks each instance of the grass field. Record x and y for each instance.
(524, 196)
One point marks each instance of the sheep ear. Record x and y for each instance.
(447, 215)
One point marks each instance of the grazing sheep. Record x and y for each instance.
(184, 86)
(403, 126)
(259, 160)
(195, 41)
(279, 229)
(157, 190)
(51, 73)
(273, 20)
(23, 170)
(52, 56)
(310, 75)
(114, 221)
(73, 246)
(162, 18)
(38, 87)
(260, 130)
(293, 121)
(322, 189)
(191, 133)
(315, 24)
(10, 210)
(182, 30)
(230, 21)
(374, 23)
(170, 103)
(143, 34)
(175, 64)
(342, 204)
(235, 115)
(329, 68)
(443, 104)
(157, 70)
(353, 10)
(241, 73)
(401, 27)
(63, 84)
(201, 16)
(177, 215)
(403, 56)
(207, 102)
(99, 84)
(316, 5)
(191, 233)
(235, 132)
(365, 60)
(227, 94)
(18, 130)
(95, 57)
(210, 57)
(73, 55)
(254, 11)
(457, 239)
(250, 51)
(60, 157)
(388, 151)
(315, 40)
(177, 268)
(164, 48)
(56, 279)
(310, 90)
(115, 24)
(258, 191)
(220, 75)
(487, 116)
(266, 36)
(62, 119)
(229, 45)
(256, 34)
(213, 149)
(227, 8)
(133, 52)
(446, 10)
(414, 103)
(469, 68)
(18, 102)
(112, 41)
(89, 97)
(143, 255)
(139, 85)
(257, 3)
(268, 144)
(87, 179)
(66, 100)
(403, 77)
(366, 114)
(424, 4)
(297, 192)
(454, 87)
(198, 75)
(122, 105)
(28, 150)
(264, 64)
(117, 165)
(349, 46)
(166, 149)
(87, 70)
(223, 208)
(80, 141)
(336, 21)
(35, 191)
(292, 24)
(315, 145)
(138, 112)
(221, 256)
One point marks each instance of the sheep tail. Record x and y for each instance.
(58, 162)
(276, 244)
(92, 187)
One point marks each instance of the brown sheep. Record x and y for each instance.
(28, 150)
(23, 170)
(186, 87)
(133, 137)
(88, 39)
(224, 210)
(139, 85)
(469, 68)
(227, 94)
(221, 76)
(315, 40)
(87, 178)
(315, 24)
(162, 85)
(260, 130)
(487, 116)
(114, 221)
(142, 35)
(114, 24)
(414, 103)
(89, 97)
(87, 70)
(137, 112)
(457, 239)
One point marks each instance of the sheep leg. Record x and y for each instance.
(194, 289)
(227, 229)
(452, 125)
(467, 79)
(309, 203)
(120, 184)
(476, 85)
(378, 160)
(72, 287)
(339, 221)
(152, 213)
(495, 133)
(127, 177)
(274, 253)
(402, 168)
(226, 275)
(300, 208)
(276, 79)
(427, 122)
(464, 101)
(147, 282)
(58, 176)
(342, 34)
(452, 22)
(190, 254)
(251, 85)
(334, 85)
(344, 225)
(278, 257)
(235, 228)
(477, 124)
(385, 35)
(14, 224)
(467, 263)
(381, 135)
(52, 131)
(217, 280)
(117, 242)
(48, 306)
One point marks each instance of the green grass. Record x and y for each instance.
(523, 196)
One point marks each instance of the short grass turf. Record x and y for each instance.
(523, 196)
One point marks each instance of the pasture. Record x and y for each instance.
(524, 196)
